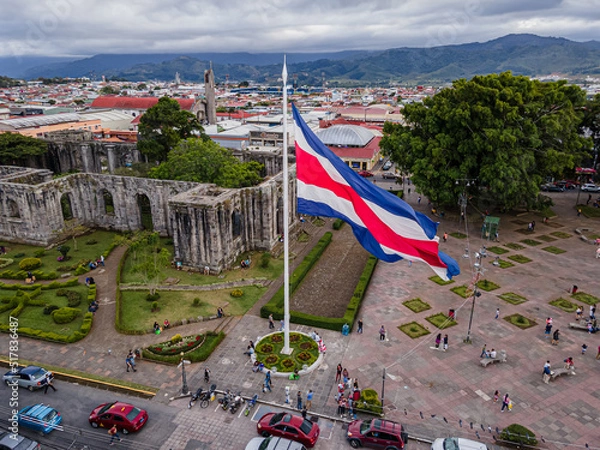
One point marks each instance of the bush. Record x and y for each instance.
(39, 253)
(176, 339)
(265, 260)
(81, 269)
(19, 255)
(91, 242)
(518, 434)
(337, 224)
(4, 262)
(49, 309)
(197, 302)
(200, 353)
(65, 315)
(369, 401)
(152, 297)
(30, 263)
(236, 293)
(154, 306)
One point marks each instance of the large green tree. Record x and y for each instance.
(506, 132)
(591, 125)
(16, 148)
(207, 162)
(163, 126)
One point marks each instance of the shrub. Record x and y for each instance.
(369, 401)
(91, 242)
(30, 263)
(236, 293)
(81, 269)
(518, 434)
(64, 250)
(197, 302)
(337, 224)
(65, 315)
(265, 260)
(19, 255)
(154, 306)
(49, 309)
(39, 253)
(176, 339)
(4, 262)
(152, 297)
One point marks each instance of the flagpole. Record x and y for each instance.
(286, 220)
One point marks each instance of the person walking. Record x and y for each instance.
(548, 329)
(338, 373)
(445, 342)
(483, 351)
(578, 313)
(505, 402)
(299, 401)
(382, 333)
(48, 384)
(419, 200)
(114, 434)
(445, 236)
(360, 326)
(309, 397)
(267, 382)
(496, 396)
(555, 337)
(592, 312)
(271, 322)
(547, 372)
(497, 313)
(206, 375)
(438, 339)
(129, 362)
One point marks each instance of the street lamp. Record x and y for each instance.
(184, 386)
(476, 294)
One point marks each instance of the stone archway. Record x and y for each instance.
(109, 205)
(236, 224)
(13, 209)
(66, 207)
(145, 209)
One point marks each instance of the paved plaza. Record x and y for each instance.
(435, 393)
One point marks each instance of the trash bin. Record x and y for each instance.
(346, 329)
(451, 314)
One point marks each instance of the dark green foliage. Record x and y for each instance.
(39, 253)
(369, 401)
(16, 148)
(518, 434)
(91, 242)
(64, 250)
(337, 224)
(163, 126)
(507, 132)
(265, 260)
(81, 269)
(50, 308)
(73, 297)
(152, 297)
(200, 353)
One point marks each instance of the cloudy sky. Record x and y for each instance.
(87, 27)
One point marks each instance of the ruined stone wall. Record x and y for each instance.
(272, 161)
(213, 226)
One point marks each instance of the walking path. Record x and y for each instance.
(441, 385)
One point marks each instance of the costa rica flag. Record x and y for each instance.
(385, 225)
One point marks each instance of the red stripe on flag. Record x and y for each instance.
(310, 171)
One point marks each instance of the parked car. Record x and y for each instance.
(565, 184)
(9, 441)
(388, 175)
(552, 188)
(31, 377)
(39, 417)
(273, 443)
(289, 426)
(457, 444)
(365, 173)
(377, 433)
(590, 187)
(126, 417)
(387, 165)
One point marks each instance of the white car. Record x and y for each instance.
(274, 443)
(590, 187)
(457, 444)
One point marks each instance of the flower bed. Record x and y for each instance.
(305, 352)
(176, 346)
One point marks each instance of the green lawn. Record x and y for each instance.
(196, 278)
(497, 250)
(564, 304)
(503, 264)
(178, 305)
(441, 321)
(520, 321)
(561, 234)
(554, 250)
(33, 316)
(512, 298)
(84, 252)
(417, 305)
(586, 298)
(438, 280)
(414, 329)
(546, 238)
(514, 246)
(531, 242)
(520, 259)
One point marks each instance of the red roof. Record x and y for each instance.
(142, 103)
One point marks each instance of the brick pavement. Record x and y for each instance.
(449, 385)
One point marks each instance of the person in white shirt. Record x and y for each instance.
(492, 354)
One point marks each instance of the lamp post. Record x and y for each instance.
(184, 386)
(476, 294)
(382, 390)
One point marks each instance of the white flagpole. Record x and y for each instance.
(286, 220)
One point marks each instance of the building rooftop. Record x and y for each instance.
(345, 135)
(120, 102)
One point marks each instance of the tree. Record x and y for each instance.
(109, 90)
(508, 133)
(207, 162)
(150, 259)
(591, 125)
(142, 87)
(163, 126)
(16, 148)
(64, 250)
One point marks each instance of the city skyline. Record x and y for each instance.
(84, 28)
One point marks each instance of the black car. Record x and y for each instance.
(552, 188)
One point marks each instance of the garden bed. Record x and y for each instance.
(512, 298)
(565, 305)
(441, 321)
(514, 246)
(305, 352)
(520, 259)
(414, 330)
(554, 250)
(546, 238)
(458, 235)
(520, 321)
(487, 285)
(436, 279)
(586, 298)
(503, 264)
(561, 234)
(200, 349)
(417, 305)
(531, 242)
(497, 250)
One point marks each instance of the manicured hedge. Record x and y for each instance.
(55, 337)
(518, 434)
(31, 287)
(275, 305)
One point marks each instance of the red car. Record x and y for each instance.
(365, 173)
(126, 417)
(289, 426)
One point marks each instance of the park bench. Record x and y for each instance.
(578, 326)
(558, 372)
(500, 357)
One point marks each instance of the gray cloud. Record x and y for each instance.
(86, 27)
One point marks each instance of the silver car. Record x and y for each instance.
(273, 443)
(457, 444)
(10, 441)
(30, 377)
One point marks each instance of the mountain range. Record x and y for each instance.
(523, 54)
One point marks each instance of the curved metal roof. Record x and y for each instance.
(346, 135)
(40, 121)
